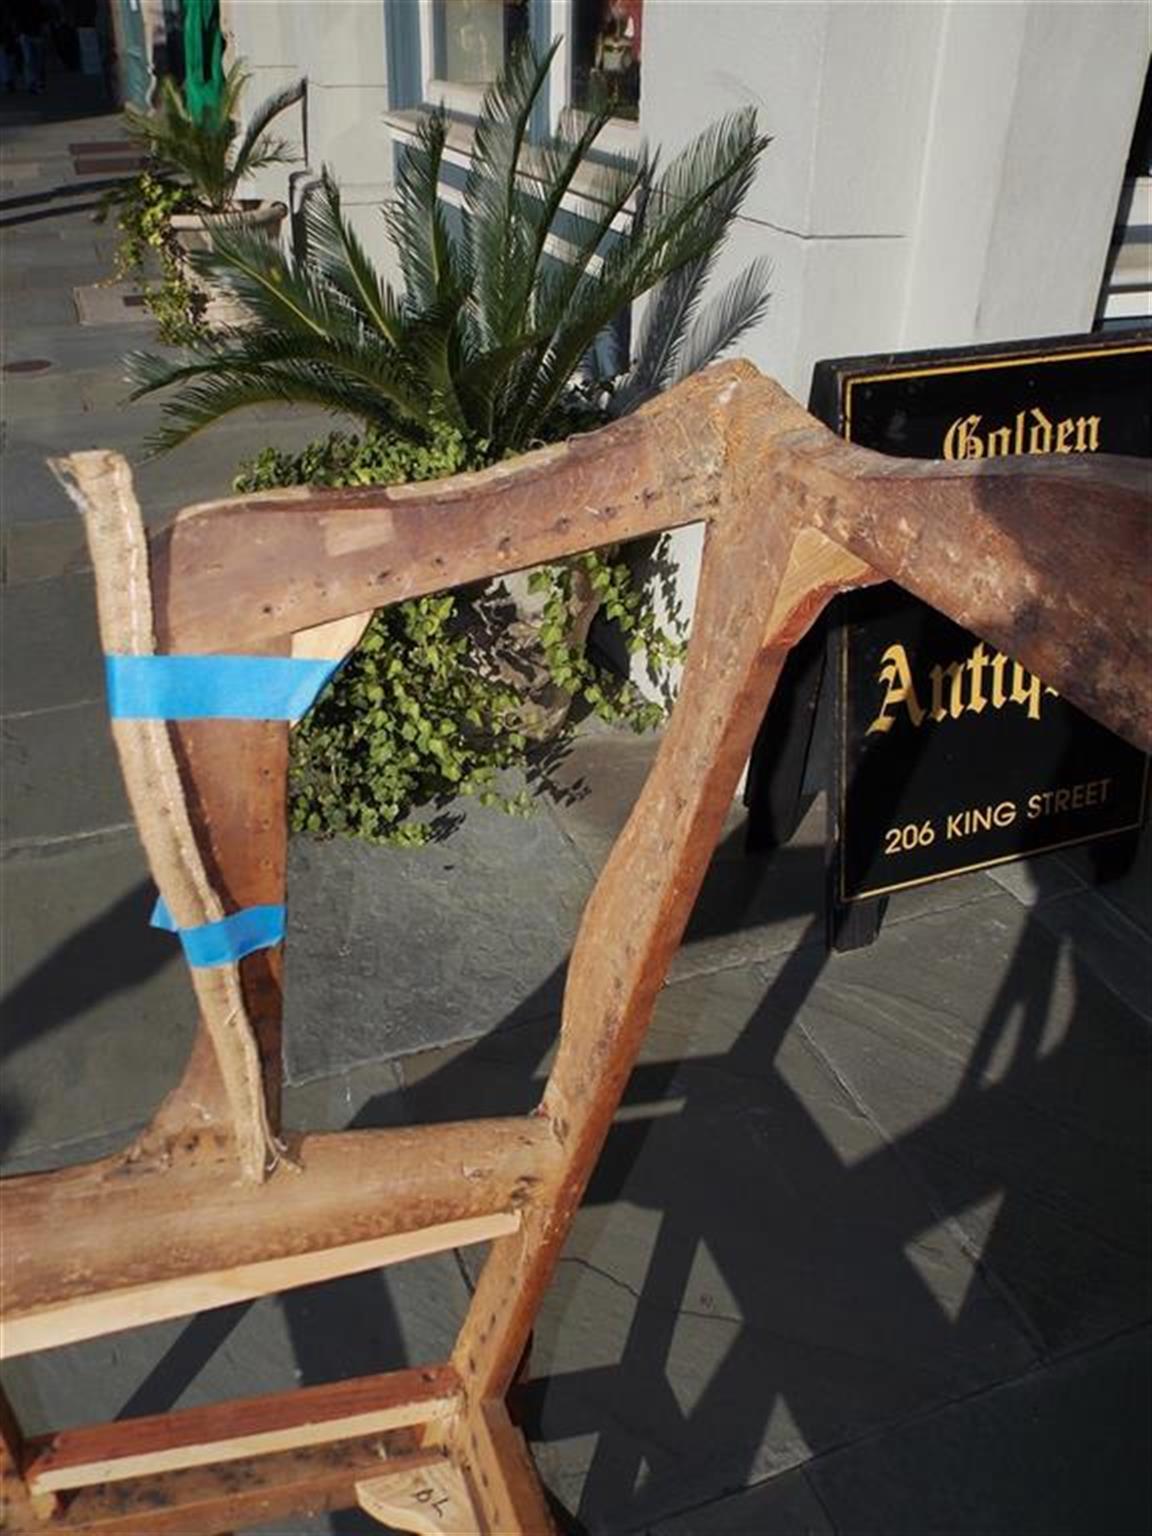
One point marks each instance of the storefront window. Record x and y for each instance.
(474, 37)
(606, 55)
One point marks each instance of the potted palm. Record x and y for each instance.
(501, 339)
(187, 194)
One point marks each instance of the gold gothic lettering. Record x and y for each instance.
(1030, 431)
(962, 687)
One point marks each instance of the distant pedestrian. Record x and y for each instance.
(31, 18)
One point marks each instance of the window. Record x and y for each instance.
(606, 46)
(473, 38)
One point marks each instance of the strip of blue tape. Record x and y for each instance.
(213, 687)
(230, 939)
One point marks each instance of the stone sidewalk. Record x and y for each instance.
(868, 1248)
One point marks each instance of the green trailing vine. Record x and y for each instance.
(622, 602)
(144, 212)
(413, 719)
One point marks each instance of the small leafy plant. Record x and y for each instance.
(195, 164)
(412, 720)
(149, 253)
(495, 345)
(494, 333)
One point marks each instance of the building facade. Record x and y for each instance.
(940, 173)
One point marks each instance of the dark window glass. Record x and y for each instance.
(474, 37)
(606, 46)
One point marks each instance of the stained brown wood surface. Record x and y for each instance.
(759, 592)
(101, 484)
(235, 776)
(203, 1501)
(100, 1227)
(238, 1430)
(1045, 559)
(429, 1501)
(154, 1301)
(500, 1471)
(981, 540)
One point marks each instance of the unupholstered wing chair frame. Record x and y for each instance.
(217, 1202)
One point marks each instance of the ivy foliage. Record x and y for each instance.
(149, 253)
(414, 719)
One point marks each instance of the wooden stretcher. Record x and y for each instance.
(216, 1201)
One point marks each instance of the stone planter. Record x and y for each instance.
(505, 622)
(193, 232)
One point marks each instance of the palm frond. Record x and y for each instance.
(483, 381)
(269, 150)
(200, 151)
(498, 233)
(558, 163)
(241, 352)
(251, 154)
(416, 220)
(334, 248)
(735, 309)
(277, 290)
(571, 299)
(221, 393)
(196, 151)
(436, 349)
(687, 209)
(672, 305)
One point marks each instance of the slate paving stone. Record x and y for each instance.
(1130, 892)
(70, 270)
(1063, 1452)
(61, 776)
(49, 306)
(749, 909)
(498, 1074)
(34, 396)
(752, 1278)
(1014, 1083)
(198, 471)
(50, 653)
(40, 551)
(369, 1095)
(395, 949)
(1034, 881)
(98, 1011)
(406, 1315)
(783, 1506)
(1104, 939)
(76, 350)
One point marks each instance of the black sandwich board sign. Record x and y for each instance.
(946, 755)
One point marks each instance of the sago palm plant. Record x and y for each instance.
(494, 333)
(207, 154)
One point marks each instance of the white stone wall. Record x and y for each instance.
(338, 46)
(940, 173)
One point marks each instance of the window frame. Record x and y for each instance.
(454, 95)
(620, 136)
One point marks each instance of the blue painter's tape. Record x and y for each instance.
(213, 687)
(230, 939)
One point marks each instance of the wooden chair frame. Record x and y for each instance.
(215, 1202)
